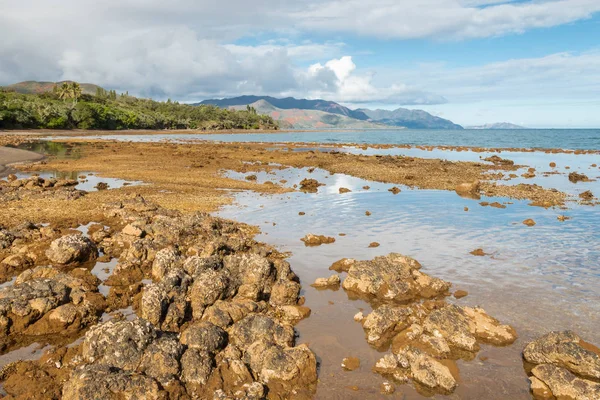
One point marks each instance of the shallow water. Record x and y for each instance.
(538, 279)
(510, 138)
(88, 183)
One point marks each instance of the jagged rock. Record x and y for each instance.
(564, 350)
(161, 359)
(317, 240)
(562, 384)
(102, 382)
(333, 280)
(381, 324)
(208, 287)
(257, 327)
(284, 292)
(204, 336)
(165, 260)
(71, 248)
(118, 344)
(196, 366)
(414, 364)
(393, 277)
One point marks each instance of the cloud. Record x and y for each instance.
(442, 19)
(338, 81)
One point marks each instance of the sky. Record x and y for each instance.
(533, 63)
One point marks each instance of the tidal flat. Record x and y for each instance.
(197, 272)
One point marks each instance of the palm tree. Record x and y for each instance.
(75, 92)
(69, 90)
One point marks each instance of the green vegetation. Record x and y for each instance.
(67, 107)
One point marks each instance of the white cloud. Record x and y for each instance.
(441, 19)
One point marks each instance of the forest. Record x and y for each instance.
(66, 107)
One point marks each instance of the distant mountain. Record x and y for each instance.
(34, 87)
(497, 125)
(290, 103)
(414, 119)
(308, 119)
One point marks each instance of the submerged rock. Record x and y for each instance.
(333, 280)
(469, 189)
(317, 240)
(310, 185)
(577, 177)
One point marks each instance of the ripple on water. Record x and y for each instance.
(537, 278)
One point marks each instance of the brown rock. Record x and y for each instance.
(344, 190)
(577, 177)
(333, 280)
(317, 240)
(529, 222)
(394, 190)
(374, 244)
(350, 363)
(478, 252)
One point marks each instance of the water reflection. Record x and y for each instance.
(537, 278)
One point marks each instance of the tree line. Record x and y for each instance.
(66, 107)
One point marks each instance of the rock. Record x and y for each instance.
(101, 382)
(292, 314)
(496, 160)
(374, 244)
(204, 336)
(167, 259)
(101, 186)
(394, 190)
(577, 177)
(459, 294)
(368, 213)
(133, 230)
(344, 190)
(118, 344)
(587, 195)
(251, 178)
(301, 213)
(387, 388)
(342, 265)
(284, 292)
(553, 165)
(478, 252)
(366, 187)
(72, 248)
(209, 287)
(563, 218)
(529, 222)
(384, 322)
(469, 189)
(196, 366)
(565, 350)
(161, 359)
(333, 280)
(359, 316)
(310, 185)
(256, 327)
(317, 240)
(420, 367)
(393, 277)
(350, 363)
(562, 384)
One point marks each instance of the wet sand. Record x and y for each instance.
(10, 156)
(190, 178)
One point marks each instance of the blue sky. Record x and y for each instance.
(534, 63)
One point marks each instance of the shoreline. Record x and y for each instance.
(11, 156)
(76, 135)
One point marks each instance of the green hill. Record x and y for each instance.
(109, 111)
(34, 87)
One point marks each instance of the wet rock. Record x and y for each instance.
(529, 222)
(196, 366)
(387, 388)
(367, 213)
(366, 187)
(342, 265)
(420, 367)
(251, 178)
(316, 240)
(549, 381)
(344, 190)
(563, 218)
(292, 314)
(393, 277)
(384, 322)
(459, 294)
(284, 292)
(374, 244)
(587, 195)
(394, 190)
(71, 248)
(310, 185)
(478, 252)
(102, 186)
(332, 281)
(552, 164)
(577, 177)
(256, 327)
(565, 350)
(350, 363)
(496, 160)
(469, 189)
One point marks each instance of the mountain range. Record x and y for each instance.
(316, 114)
(497, 125)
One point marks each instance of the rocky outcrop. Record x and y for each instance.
(410, 316)
(35, 187)
(317, 240)
(393, 278)
(565, 366)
